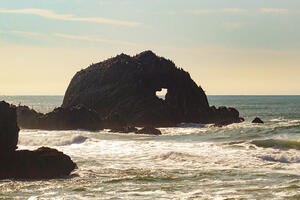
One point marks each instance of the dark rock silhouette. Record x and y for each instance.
(9, 130)
(149, 131)
(257, 121)
(115, 121)
(76, 117)
(27, 117)
(41, 163)
(125, 129)
(127, 86)
(131, 129)
(223, 116)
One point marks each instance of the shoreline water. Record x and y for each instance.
(193, 161)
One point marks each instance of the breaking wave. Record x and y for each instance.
(277, 144)
(61, 141)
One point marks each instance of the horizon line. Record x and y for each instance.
(37, 95)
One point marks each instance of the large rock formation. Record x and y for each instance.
(41, 163)
(76, 117)
(128, 85)
(9, 130)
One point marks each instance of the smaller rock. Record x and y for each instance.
(71, 118)
(224, 116)
(43, 163)
(257, 121)
(124, 129)
(27, 117)
(149, 131)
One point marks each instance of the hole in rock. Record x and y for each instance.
(162, 93)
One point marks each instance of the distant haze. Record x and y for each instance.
(228, 46)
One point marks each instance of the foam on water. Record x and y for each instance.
(191, 161)
(167, 167)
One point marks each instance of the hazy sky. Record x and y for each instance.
(228, 46)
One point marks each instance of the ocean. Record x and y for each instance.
(191, 161)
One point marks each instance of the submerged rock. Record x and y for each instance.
(127, 86)
(257, 121)
(41, 163)
(76, 117)
(149, 131)
(9, 130)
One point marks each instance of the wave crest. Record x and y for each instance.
(61, 141)
(277, 144)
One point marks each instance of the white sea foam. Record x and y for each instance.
(178, 157)
(47, 140)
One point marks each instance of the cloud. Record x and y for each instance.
(67, 36)
(68, 17)
(25, 33)
(274, 11)
(213, 11)
(92, 39)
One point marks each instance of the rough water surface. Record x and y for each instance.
(191, 161)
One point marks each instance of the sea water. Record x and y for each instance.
(191, 161)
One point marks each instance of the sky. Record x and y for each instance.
(230, 47)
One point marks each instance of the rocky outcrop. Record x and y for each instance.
(41, 163)
(27, 117)
(127, 86)
(149, 131)
(9, 130)
(76, 117)
(257, 120)
(223, 116)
